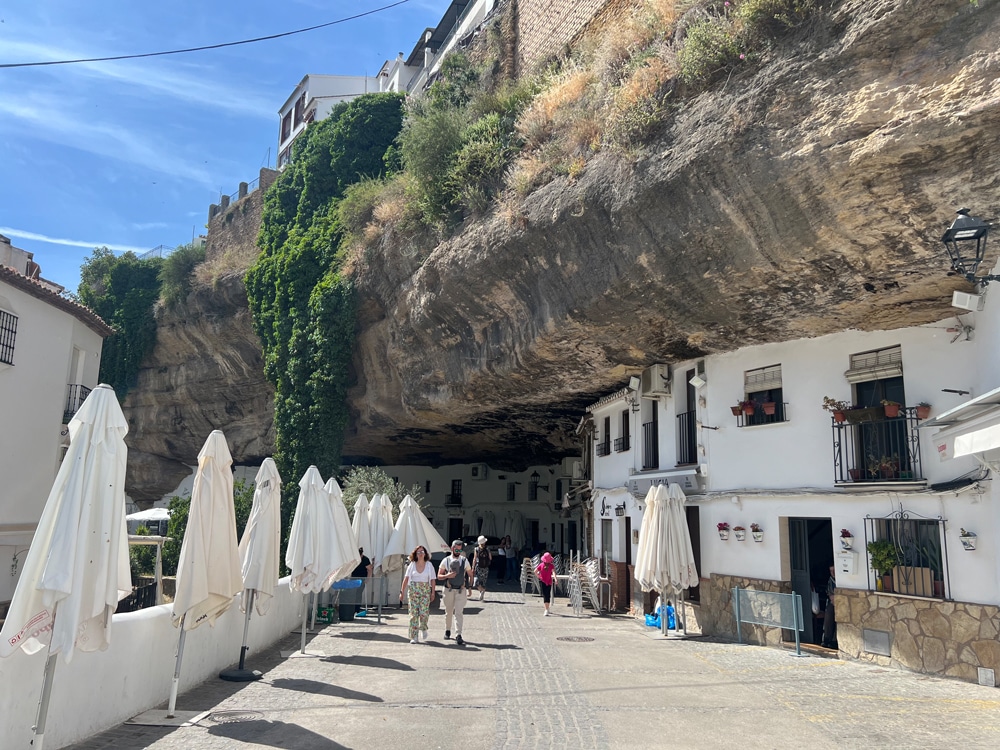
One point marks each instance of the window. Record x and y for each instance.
(762, 387)
(905, 556)
(427, 486)
(622, 443)
(533, 491)
(604, 447)
(8, 331)
(286, 127)
(511, 491)
(878, 364)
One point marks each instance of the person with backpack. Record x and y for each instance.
(481, 564)
(456, 572)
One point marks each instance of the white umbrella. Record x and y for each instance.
(680, 554)
(362, 524)
(380, 522)
(77, 567)
(489, 524)
(208, 570)
(412, 529)
(650, 563)
(314, 556)
(342, 537)
(515, 528)
(259, 555)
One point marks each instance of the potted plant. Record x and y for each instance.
(738, 409)
(884, 557)
(835, 407)
(891, 408)
(757, 532)
(888, 466)
(769, 407)
(723, 528)
(968, 539)
(846, 539)
(923, 410)
(854, 474)
(748, 407)
(740, 532)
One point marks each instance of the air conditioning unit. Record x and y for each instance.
(479, 471)
(577, 470)
(964, 301)
(655, 380)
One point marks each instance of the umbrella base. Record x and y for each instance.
(240, 675)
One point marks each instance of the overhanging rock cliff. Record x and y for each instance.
(803, 198)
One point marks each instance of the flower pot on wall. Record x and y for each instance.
(737, 410)
(741, 534)
(923, 411)
(724, 534)
(846, 542)
(748, 410)
(968, 541)
(758, 536)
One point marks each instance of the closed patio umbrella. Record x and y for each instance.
(259, 555)
(77, 568)
(412, 529)
(683, 574)
(208, 570)
(362, 524)
(380, 523)
(649, 572)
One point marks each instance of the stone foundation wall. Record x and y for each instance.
(950, 639)
(714, 616)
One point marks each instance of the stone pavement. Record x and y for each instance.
(517, 684)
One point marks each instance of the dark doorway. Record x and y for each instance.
(533, 535)
(694, 530)
(810, 543)
(571, 533)
(454, 529)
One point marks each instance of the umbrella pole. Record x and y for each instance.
(305, 619)
(43, 701)
(177, 671)
(242, 674)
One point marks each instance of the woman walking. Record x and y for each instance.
(418, 585)
(481, 564)
(546, 577)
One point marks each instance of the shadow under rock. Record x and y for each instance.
(323, 688)
(376, 662)
(276, 734)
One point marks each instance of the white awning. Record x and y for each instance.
(968, 429)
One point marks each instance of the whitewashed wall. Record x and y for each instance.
(32, 399)
(135, 672)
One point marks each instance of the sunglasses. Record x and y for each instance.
(421, 552)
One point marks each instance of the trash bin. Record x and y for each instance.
(349, 595)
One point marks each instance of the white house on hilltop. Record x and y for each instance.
(50, 354)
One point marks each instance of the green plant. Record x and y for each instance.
(142, 558)
(176, 271)
(887, 402)
(831, 404)
(373, 479)
(884, 556)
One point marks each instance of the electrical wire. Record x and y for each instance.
(206, 47)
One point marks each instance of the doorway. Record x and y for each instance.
(810, 548)
(454, 529)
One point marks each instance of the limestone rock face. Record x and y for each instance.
(801, 198)
(206, 373)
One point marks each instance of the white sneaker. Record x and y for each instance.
(546, 613)
(413, 640)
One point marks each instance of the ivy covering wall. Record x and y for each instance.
(302, 306)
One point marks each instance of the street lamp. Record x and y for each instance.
(965, 241)
(632, 397)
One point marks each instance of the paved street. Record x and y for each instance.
(517, 685)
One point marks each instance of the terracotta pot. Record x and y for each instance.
(887, 583)
(769, 407)
(855, 474)
(923, 412)
(748, 410)
(891, 410)
(838, 416)
(737, 410)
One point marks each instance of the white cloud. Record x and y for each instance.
(21, 234)
(143, 226)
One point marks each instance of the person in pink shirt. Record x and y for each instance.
(546, 570)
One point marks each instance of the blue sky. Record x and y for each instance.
(130, 154)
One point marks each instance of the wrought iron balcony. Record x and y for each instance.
(650, 445)
(777, 412)
(687, 438)
(604, 448)
(621, 444)
(452, 499)
(870, 447)
(75, 396)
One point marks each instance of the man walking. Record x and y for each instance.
(456, 573)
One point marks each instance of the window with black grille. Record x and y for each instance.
(8, 331)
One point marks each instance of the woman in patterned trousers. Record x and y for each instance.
(418, 587)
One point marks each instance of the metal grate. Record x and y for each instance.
(574, 638)
(233, 717)
(876, 642)
(8, 331)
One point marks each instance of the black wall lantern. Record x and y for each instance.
(534, 479)
(620, 510)
(966, 244)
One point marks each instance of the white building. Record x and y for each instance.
(311, 101)
(803, 477)
(50, 354)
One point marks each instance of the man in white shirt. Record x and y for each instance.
(456, 573)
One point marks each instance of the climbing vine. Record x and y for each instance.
(302, 306)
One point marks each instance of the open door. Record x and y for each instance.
(810, 543)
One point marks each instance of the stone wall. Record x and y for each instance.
(715, 616)
(233, 227)
(951, 639)
(546, 27)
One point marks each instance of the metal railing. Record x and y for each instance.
(453, 499)
(917, 550)
(687, 443)
(160, 251)
(870, 447)
(761, 416)
(8, 332)
(621, 444)
(243, 193)
(75, 396)
(603, 448)
(771, 609)
(650, 445)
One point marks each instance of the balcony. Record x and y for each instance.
(621, 444)
(650, 446)
(778, 414)
(603, 448)
(453, 499)
(870, 447)
(75, 396)
(687, 438)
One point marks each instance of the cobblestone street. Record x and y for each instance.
(516, 684)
